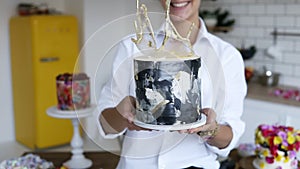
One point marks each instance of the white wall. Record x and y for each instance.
(75, 7)
(7, 9)
(255, 20)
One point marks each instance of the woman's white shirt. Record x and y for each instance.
(223, 89)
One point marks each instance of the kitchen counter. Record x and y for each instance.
(261, 107)
(264, 93)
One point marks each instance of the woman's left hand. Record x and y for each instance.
(210, 124)
(214, 134)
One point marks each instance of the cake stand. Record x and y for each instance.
(77, 160)
(173, 127)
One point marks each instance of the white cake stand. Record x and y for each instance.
(198, 123)
(77, 160)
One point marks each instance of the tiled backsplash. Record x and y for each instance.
(255, 20)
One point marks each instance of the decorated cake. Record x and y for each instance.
(277, 147)
(168, 85)
(167, 90)
(73, 91)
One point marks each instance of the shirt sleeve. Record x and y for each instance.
(235, 92)
(120, 85)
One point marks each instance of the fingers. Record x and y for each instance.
(197, 129)
(183, 131)
(201, 128)
(129, 117)
(127, 108)
(210, 115)
(210, 121)
(132, 101)
(132, 126)
(127, 104)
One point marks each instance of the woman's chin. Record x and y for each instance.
(177, 18)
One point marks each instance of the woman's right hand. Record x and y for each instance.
(126, 109)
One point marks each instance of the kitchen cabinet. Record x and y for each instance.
(41, 48)
(258, 112)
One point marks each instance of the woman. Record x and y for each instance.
(193, 148)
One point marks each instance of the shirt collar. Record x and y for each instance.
(203, 33)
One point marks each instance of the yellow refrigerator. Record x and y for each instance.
(42, 47)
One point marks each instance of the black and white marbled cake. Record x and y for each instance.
(167, 90)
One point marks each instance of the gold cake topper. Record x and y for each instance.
(173, 42)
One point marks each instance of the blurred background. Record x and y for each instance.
(265, 31)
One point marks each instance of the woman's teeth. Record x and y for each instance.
(178, 5)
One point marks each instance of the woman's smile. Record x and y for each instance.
(179, 4)
(184, 9)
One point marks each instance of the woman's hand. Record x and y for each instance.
(116, 119)
(210, 124)
(126, 109)
(213, 133)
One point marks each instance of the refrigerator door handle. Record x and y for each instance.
(49, 59)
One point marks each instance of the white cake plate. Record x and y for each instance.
(70, 114)
(172, 127)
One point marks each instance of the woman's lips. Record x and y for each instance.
(179, 4)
